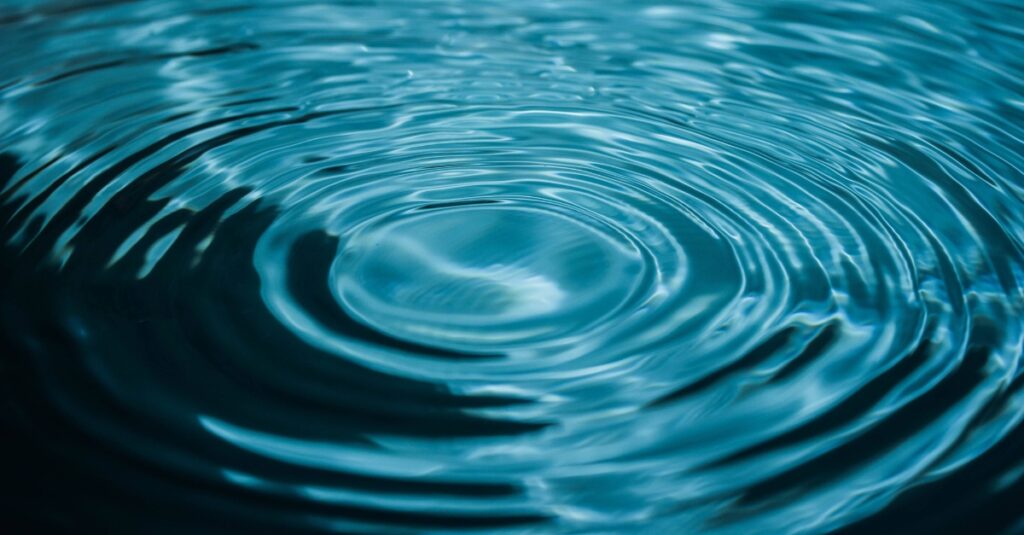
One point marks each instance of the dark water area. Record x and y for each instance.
(512, 267)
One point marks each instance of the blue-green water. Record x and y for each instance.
(512, 267)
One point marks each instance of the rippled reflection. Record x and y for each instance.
(530, 267)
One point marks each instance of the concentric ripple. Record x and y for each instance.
(530, 267)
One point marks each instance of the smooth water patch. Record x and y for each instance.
(479, 277)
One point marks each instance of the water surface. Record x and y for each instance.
(512, 267)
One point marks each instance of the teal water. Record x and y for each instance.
(512, 267)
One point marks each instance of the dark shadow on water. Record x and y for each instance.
(104, 376)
